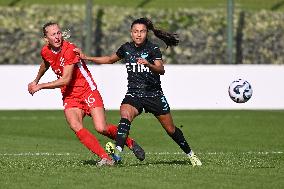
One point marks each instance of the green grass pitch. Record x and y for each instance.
(239, 149)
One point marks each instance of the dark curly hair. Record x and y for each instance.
(170, 39)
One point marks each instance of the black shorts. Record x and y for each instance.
(156, 105)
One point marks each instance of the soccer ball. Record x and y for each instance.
(110, 148)
(240, 91)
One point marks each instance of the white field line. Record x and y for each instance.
(214, 153)
(149, 153)
(4, 118)
(142, 117)
(37, 154)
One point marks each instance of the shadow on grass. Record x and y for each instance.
(162, 162)
(89, 162)
(147, 163)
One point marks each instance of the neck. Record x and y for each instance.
(141, 44)
(55, 49)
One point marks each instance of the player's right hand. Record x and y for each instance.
(31, 86)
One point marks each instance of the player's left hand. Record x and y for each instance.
(79, 53)
(142, 61)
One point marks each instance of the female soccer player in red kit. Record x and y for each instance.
(79, 91)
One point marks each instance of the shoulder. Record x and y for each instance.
(68, 54)
(151, 45)
(68, 48)
(123, 49)
(126, 45)
(45, 50)
(154, 50)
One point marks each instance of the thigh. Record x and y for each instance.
(166, 121)
(99, 119)
(74, 117)
(130, 107)
(91, 100)
(135, 102)
(156, 105)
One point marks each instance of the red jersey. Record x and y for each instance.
(81, 81)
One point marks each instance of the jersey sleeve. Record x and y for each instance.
(120, 52)
(43, 54)
(70, 57)
(157, 55)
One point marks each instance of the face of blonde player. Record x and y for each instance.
(139, 34)
(54, 36)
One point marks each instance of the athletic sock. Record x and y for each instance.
(91, 142)
(111, 133)
(178, 137)
(122, 132)
(190, 153)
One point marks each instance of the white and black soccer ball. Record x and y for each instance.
(240, 91)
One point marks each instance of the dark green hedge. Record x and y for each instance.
(259, 36)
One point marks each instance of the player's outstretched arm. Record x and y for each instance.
(44, 66)
(98, 60)
(64, 80)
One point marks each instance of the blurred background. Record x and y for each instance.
(244, 37)
(207, 28)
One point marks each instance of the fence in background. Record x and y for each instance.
(185, 86)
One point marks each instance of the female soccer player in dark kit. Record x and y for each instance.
(79, 92)
(144, 65)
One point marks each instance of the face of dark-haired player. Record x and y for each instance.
(53, 36)
(139, 34)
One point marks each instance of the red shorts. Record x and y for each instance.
(89, 100)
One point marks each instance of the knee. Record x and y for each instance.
(170, 130)
(128, 112)
(76, 127)
(101, 130)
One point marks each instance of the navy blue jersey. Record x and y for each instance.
(142, 81)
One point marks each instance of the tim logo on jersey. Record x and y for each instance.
(134, 67)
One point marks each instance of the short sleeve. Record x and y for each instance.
(43, 54)
(157, 55)
(120, 52)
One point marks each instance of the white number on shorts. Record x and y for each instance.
(90, 100)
